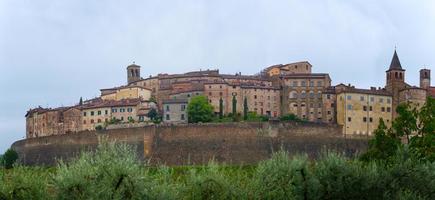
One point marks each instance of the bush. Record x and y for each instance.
(9, 158)
(24, 183)
(112, 172)
(211, 182)
(283, 178)
(290, 117)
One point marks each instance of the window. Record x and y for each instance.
(311, 94)
(295, 83)
(381, 100)
(234, 87)
(220, 86)
(209, 93)
(319, 83)
(114, 110)
(388, 109)
(167, 117)
(182, 117)
(364, 108)
(92, 113)
(388, 100)
(129, 118)
(328, 96)
(372, 99)
(129, 109)
(141, 118)
(188, 95)
(183, 107)
(364, 119)
(371, 119)
(293, 94)
(84, 114)
(349, 119)
(106, 112)
(349, 107)
(255, 96)
(311, 83)
(371, 108)
(220, 93)
(99, 112)
(383, 109)
(329, 112)
(92, 121)
(122, 118)
(349, 97)
(209, 86)
(84, 121)
(303, 83)
(99, 120)
(361, 98)
(303, 95)
(122, 110)
(167, 108)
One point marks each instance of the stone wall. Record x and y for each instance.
(232, 143)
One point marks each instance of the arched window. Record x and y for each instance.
(303, 94)
(137, 72)
(396, 75)
(400, 75)
(293, 95)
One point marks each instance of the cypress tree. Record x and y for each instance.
(221, 108)
(245, 109)
(81, 101)
(234, 106)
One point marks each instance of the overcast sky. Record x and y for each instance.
(54, 52)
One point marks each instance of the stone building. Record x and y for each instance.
(175, 111)
(359, 110)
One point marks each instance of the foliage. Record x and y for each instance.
(131, 120)
(81, 101)
(153, 99)
(99, 127)
(152, 114)
(406, 122)
(383, 145)
(112, 172)
(24, 183)
(9, 158)
(281, 178)
(112, 121)
(221, 108)
(254, 117)
(290, 117)
(245, 109)
(199, 110)
(234, 105)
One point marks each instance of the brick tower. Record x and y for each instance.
(425, 78)
(133, 73)
(395, 81)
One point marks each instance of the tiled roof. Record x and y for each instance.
(395, 63)
(174, 101)
(348, 89)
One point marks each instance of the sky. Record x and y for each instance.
(52, 52)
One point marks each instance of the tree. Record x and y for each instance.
(221, 108)
(383, 145)
(426, 118)
(290, 117)
(245, 109)
(81, 101)
(199, 110)
(9, 158)
(152, 114)
(234, 105)
(153, 99)
(406, 122)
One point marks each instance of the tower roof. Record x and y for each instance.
(395, 63)
(133, 65)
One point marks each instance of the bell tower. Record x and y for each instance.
(425, 78)
(395, 81)
(133, 73)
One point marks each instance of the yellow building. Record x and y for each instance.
(126, 92)
(359, 110)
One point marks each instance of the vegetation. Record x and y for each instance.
(9, 158)
(199, 110)
(245, 109)
(114, 172)
(416, 125)
(290, 117)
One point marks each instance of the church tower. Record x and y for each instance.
(395, 81)
(133, 73)
(425, 78)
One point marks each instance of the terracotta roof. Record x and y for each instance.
(395, 63)
(382, 92)
(306, 75)
(174, 101)
(112, 103)
(186, 91)
(125, 86)
(133, 65)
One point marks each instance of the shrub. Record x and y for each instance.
(112, 172)
(290, 117)
(24, 183)
(210, 182)
(99, 128)
(284, 178)
(9, 158)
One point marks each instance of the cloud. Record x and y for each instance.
(54, 52)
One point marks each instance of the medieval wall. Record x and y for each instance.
(232, 143)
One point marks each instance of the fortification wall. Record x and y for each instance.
(232, 143)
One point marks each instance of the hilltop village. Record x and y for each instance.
(276, 91)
